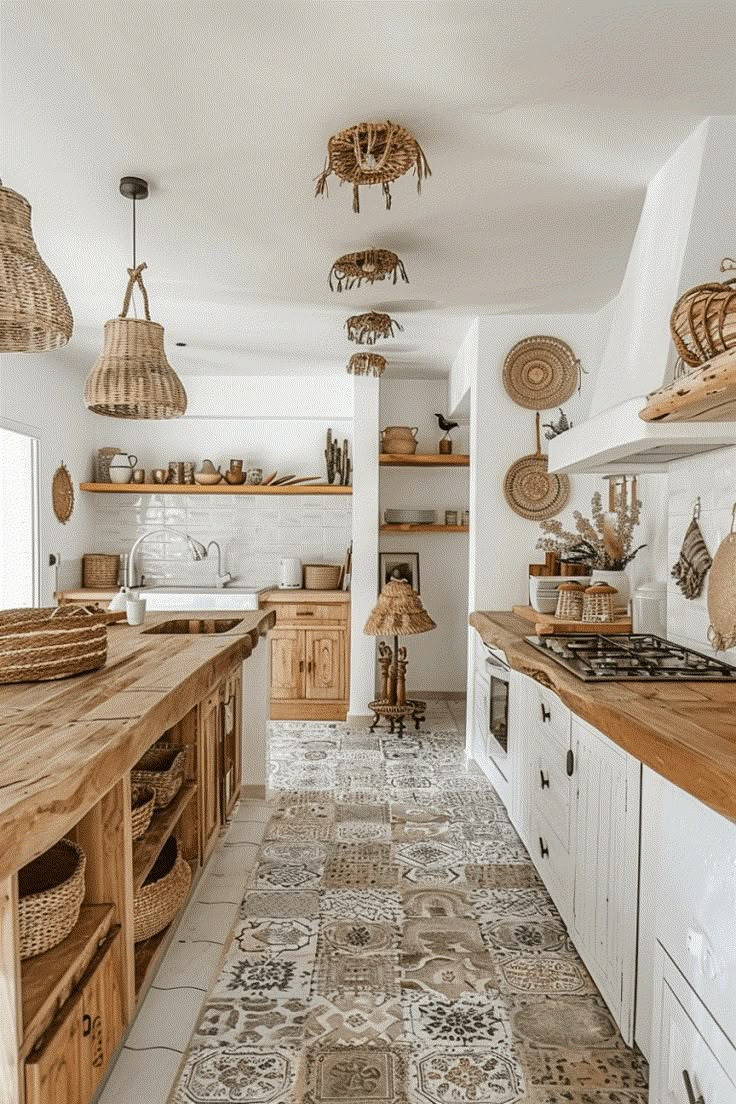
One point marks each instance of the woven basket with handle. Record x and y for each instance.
(40, 644)
(162, 894)
(162, 768)
(50, 895)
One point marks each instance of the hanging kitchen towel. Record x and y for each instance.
(693, 563)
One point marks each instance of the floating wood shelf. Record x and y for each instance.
(47, 979)
(147, 849)
(425, 529)
(419, 460)
(219, 488)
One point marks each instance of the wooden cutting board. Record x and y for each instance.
(546, 623)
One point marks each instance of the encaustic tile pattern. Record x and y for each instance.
(397, 947)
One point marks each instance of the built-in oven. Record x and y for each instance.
(497, 721)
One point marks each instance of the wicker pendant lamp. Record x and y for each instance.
(370, 265)
(366, 364)
(365, 329)
(373, 153)
(132, 377)
(34, 313)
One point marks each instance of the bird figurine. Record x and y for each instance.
(446, 427)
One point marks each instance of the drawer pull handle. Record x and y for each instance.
(301, 665)
(570, 763)
(546, 713)
(86, 1025)
(544, 782)
(543, 848)
(305, 613)
(692, 1098)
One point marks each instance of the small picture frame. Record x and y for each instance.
(399, 565)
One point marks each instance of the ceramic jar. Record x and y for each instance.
(121, 468)
(400, 439)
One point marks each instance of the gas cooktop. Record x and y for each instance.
(596, 657)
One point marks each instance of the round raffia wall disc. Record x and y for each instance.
(540, 372)
(722, 596)
(62, 494)
(532, 492)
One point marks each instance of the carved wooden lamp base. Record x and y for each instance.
(397, 715)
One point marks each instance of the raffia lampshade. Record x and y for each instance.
(367, 328)
(366, 364)
(352, 269)
(132, 377)
(399, 612)
(34, 313)
(373, 153)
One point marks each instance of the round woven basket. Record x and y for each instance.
(41, 644)
(34, 313)
(598, 603)
(162, 894)
(100, 570)
(162, 768)
(541, 372)
(570, 601)
(50, 895)
(142, 804)
(322, 576)
(703, 320)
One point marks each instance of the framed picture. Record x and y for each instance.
(399, 565)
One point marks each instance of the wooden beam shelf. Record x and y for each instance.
(147, 849)
(218, 489)
(425, 529)
(703, 394)
(424, 460)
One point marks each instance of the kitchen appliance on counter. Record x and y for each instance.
(639, 657)
(649, 608)
(290, 573)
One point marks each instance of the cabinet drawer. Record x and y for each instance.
(304, 614)
(553, 862)
(552, 788)
(693, 1059)
(548, 714)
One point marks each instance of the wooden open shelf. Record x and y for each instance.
(219, 488)
(47, 979)
(424, 460)
(147, 849)
(425, 529)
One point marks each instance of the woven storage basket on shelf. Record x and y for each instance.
(100, 570)
(142, 804)
(322, 576)
(570, 598)
(162, 894)
(50, 895)
(598, 603)
(162, 767)
(703, 320)
(41, 644)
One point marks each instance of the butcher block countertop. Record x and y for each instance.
(64, 743)
(685, 731)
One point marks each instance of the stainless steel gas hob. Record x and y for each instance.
(595, 657)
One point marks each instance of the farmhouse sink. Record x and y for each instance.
(196, 626)
(172, 597)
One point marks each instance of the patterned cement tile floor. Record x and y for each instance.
(397, 947)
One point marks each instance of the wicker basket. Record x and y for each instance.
(570, 597)
(142, 803)
(100, 571)
(162, 894)
(40, 644)
(703, 320)
(162, 768)
(322, 576)
(598, 603)
(50, 895)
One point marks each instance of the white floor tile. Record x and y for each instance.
(209, 923)
(189, 964)
(167, 1019)
(235, 858)
(246, 831)
(221, 888)
(142, 1077)
(251, 808)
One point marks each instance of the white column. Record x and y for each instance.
(256, 709)
(364, 586)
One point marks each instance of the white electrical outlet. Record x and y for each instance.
(54, 559)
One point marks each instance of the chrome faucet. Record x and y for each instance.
(221, 578)
(197, 550)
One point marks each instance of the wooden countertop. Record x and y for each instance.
(685, 731)
(63, 744)
(319, 597)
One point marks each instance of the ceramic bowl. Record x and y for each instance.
(207, 479)
(123, 474)
(160, 475)
(235, 478)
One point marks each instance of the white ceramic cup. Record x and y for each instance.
(135, 609)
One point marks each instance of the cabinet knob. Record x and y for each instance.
(301, 665)
(570, 763)
(692, 1098)
(544, 782)
(543, 848)
(546, 713)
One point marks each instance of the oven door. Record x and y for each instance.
(497, 735)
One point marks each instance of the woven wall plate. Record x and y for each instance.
(531, 491)
(62, 494)
(540, 372)
(722, 596)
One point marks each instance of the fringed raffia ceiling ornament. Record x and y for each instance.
(365, 329)
(370, 265)
(373, 153)
(366, 364)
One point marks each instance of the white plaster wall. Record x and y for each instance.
(463, 370)
(437, 659)
(365, 542)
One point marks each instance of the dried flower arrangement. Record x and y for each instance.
(606, 543)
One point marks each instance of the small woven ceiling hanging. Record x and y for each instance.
(34, 313)
(132, 377)
(370, 265)
(366, 364)
(365, 329)
(372, 153)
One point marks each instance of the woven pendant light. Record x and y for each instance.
(370, 265)
(373, 153)
(34, 313)
(365, 329)
(366, 364)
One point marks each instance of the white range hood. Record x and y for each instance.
(617, 441)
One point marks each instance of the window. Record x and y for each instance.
(19, 529)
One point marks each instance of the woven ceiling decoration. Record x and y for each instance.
(132, 377)
(365, 329)
(370, 265)
(366, 364)
(373, 153)
(34, 313)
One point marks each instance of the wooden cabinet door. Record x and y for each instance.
(287, 664)
(232, 729)
(54, 1072)
(606, 849)
(325, 666)
(102, 1015)
(209, 759)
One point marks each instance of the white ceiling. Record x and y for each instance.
(542, 121)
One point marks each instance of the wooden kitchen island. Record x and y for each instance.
(66, 751)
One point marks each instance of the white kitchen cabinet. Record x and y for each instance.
(606, 867)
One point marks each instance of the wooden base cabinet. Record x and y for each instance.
(310, 659)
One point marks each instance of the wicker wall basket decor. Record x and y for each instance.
(370, 265)
(365, 329)
(366, 364)
(531, 491)
(50, 895)
(373, 153)
(34, 313)
(132, 377)
(37, 645)
(541, 372)
(703, 320)
(62, 494)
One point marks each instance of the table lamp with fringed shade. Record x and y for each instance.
(399, 612)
